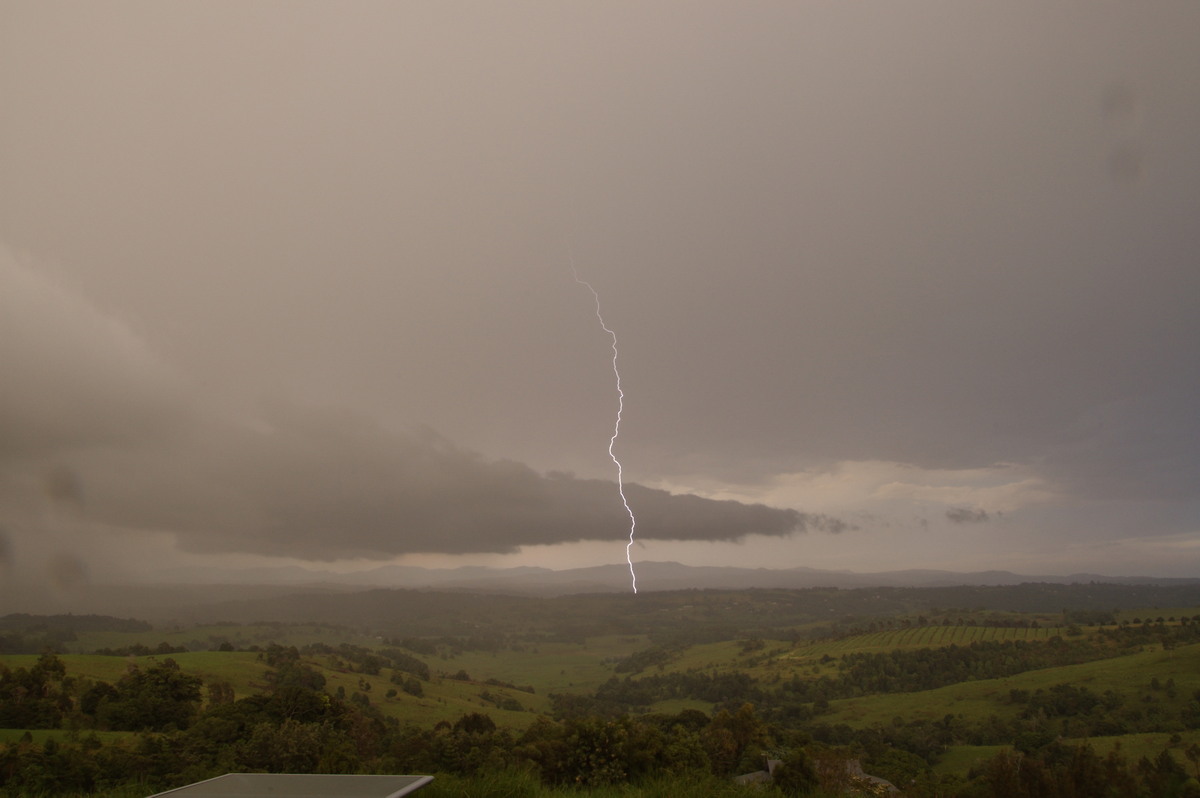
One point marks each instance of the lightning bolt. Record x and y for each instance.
(612, 442)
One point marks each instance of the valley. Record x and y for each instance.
(935, 689)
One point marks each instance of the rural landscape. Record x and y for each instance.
(623, 399)
(1035, 689)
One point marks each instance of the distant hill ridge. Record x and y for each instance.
(532, 580)
(194, 593)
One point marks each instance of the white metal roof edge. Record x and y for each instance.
(420, 782)
(186, 786)
(416, 785)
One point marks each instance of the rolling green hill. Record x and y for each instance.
(944, 691)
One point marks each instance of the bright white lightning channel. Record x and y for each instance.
(616, 429)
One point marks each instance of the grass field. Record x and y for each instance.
(549, 667)
(961, 758)
(210, 637)
(975, 700)
(921, 637)
(445, 699)
(1135, 746)
(815, 658)
(241, 669)
(580, 667)
(566, 662)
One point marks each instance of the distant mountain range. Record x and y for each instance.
(651, 576)
(182, 594)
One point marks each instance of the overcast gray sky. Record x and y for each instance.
(894, 285)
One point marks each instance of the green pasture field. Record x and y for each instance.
(919, 637)
(547, 667)
(724, 655)
(973, 700)
(1135, 746)
(959, 759)
(1129, 675)
(448, 700)
(774, 658)
(443, 699)
(210, 637)
(241, 669)
(804, 657)
(569, 667)
(673, 706)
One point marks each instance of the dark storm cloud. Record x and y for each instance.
(66, 572)
(967, 515)
(1138, 448)
(329, 484)
(96, 428)
(64, 486)
(73, 375)
(680, 517)
(956, 237)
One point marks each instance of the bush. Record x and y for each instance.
(796, 775)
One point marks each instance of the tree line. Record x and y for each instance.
(295, 726)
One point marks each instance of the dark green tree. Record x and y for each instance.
(796, 775)
(159, 698)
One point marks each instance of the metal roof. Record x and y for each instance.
(292, 785)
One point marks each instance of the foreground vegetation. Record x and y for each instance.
(966, 700)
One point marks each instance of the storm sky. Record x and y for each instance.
(895, 285)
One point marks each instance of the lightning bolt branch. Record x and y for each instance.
(612, 442)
